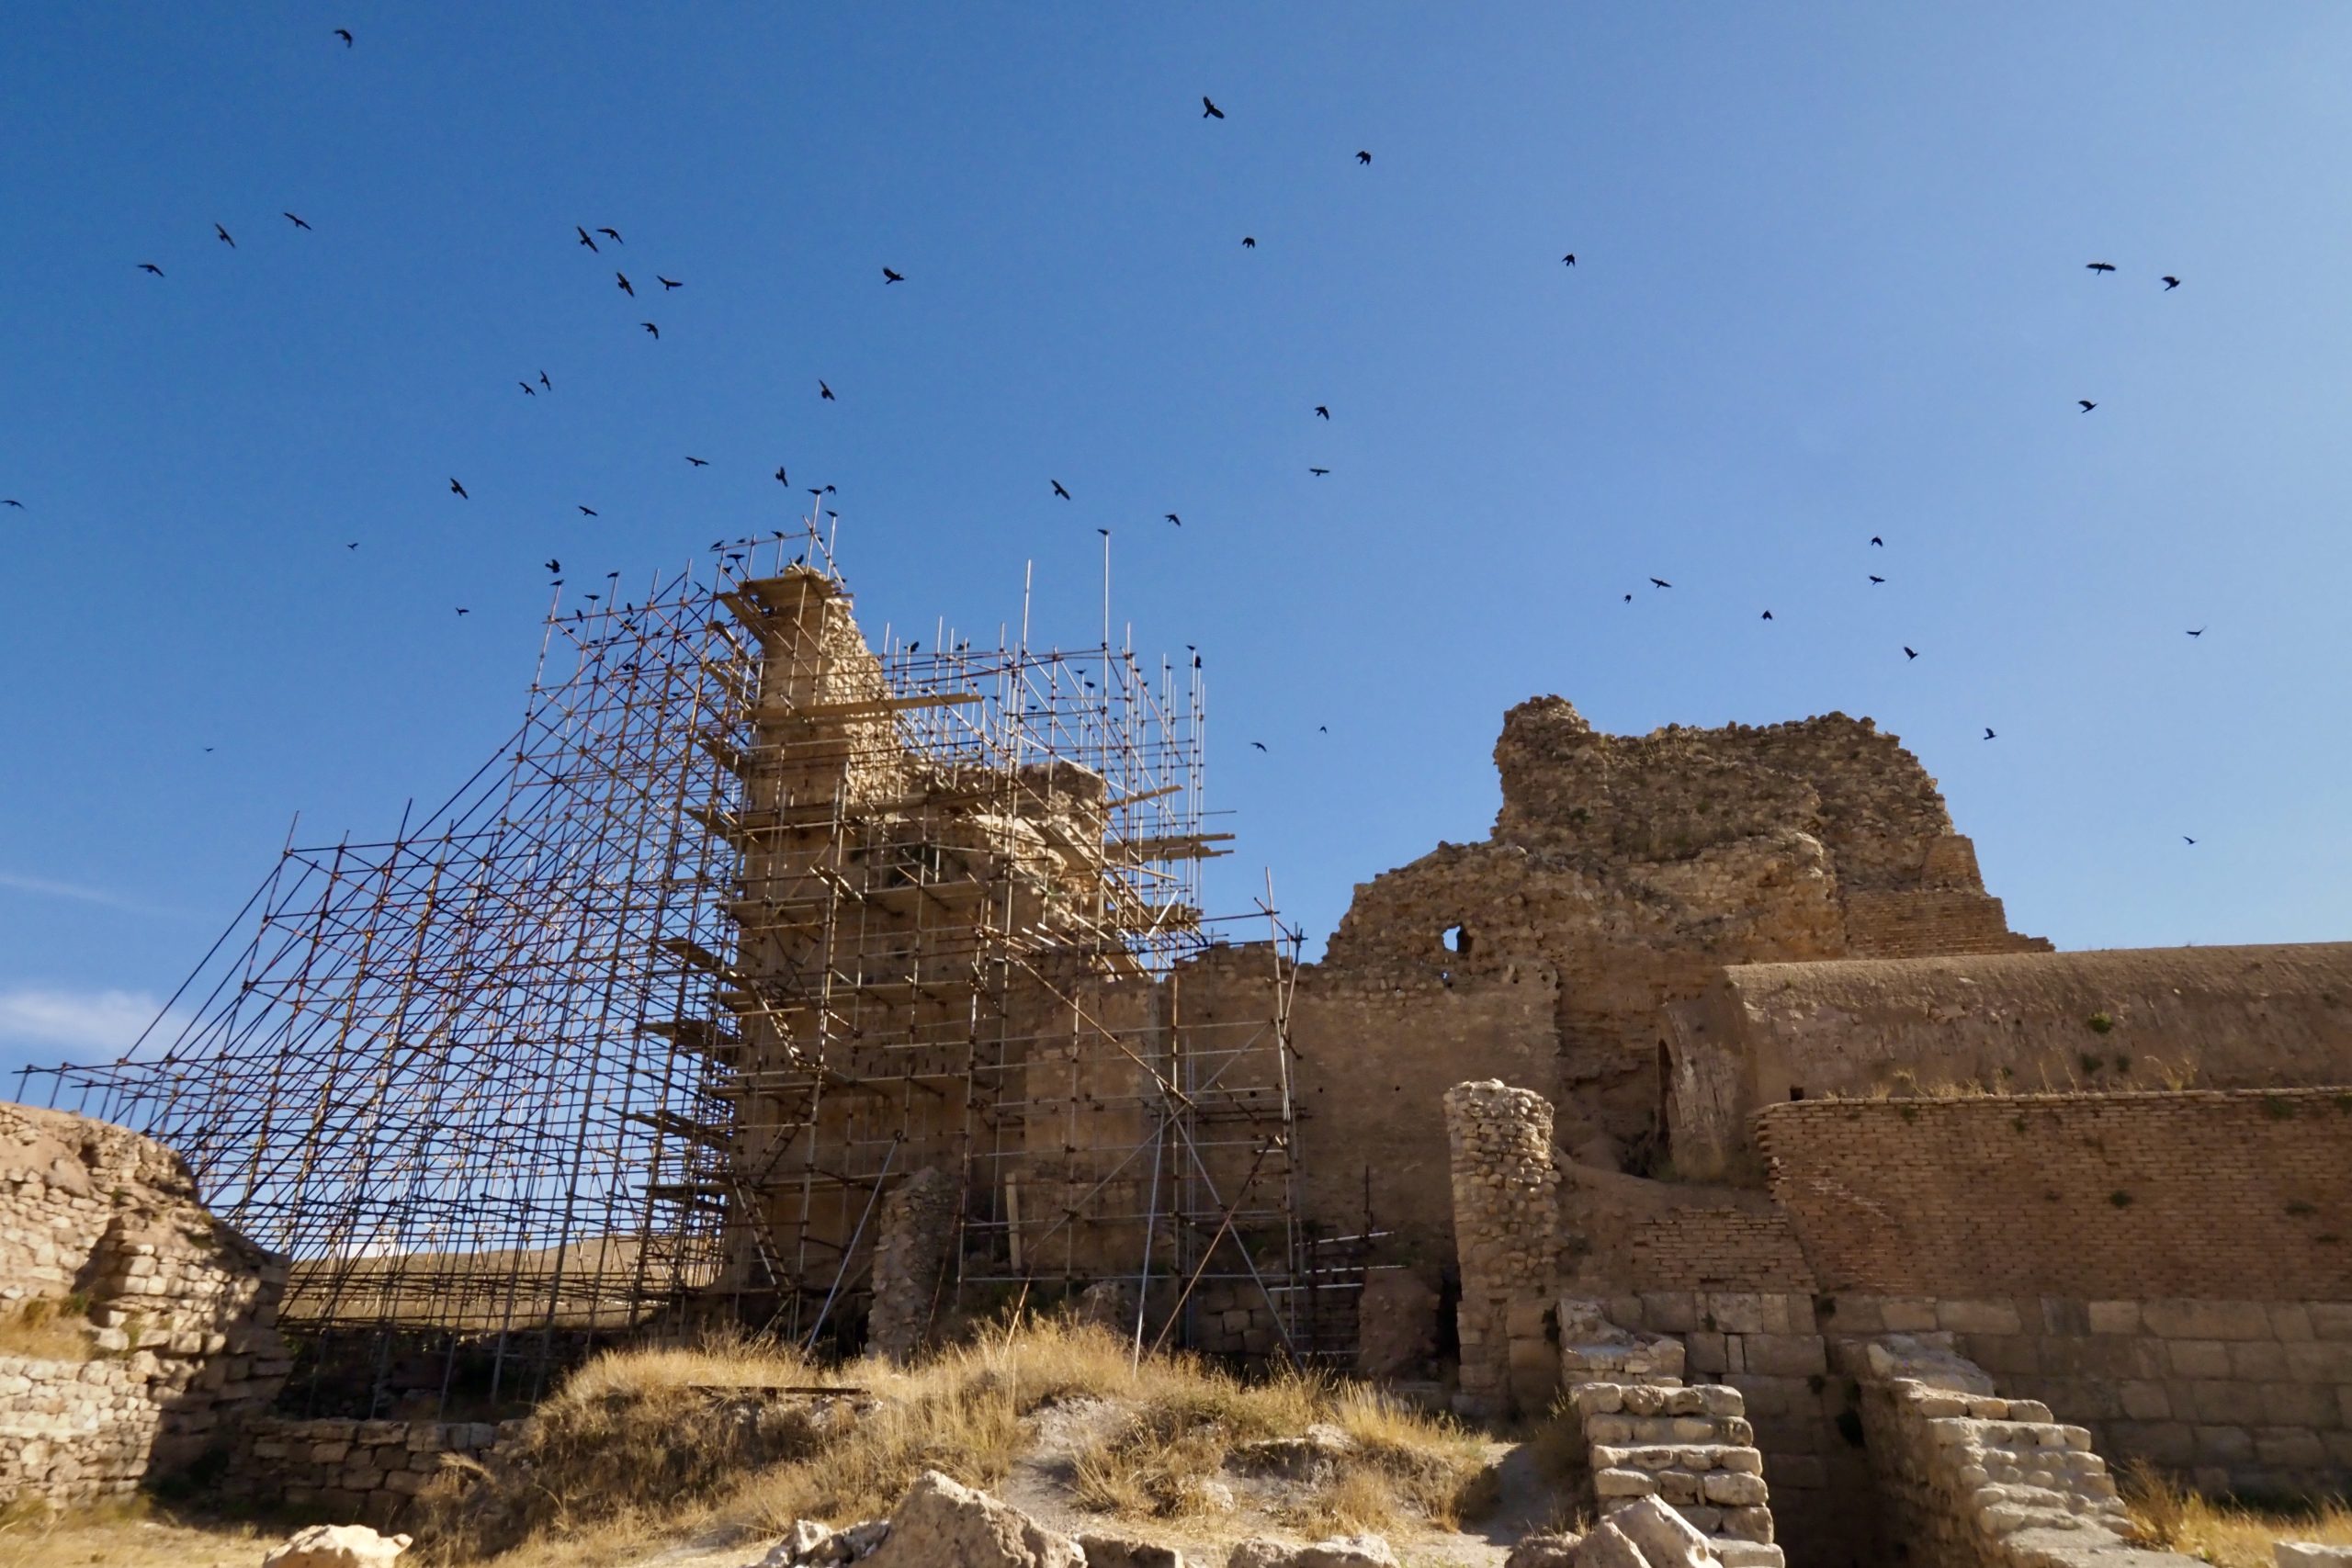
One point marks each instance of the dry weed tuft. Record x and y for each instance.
(46, 1329)
(2169, 1515)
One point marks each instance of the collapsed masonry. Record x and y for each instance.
(160, 1317)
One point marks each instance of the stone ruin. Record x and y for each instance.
(1715, 1105)
(102, 1238)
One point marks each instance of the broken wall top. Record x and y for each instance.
(1676, 791)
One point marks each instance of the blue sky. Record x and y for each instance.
(1830, 284)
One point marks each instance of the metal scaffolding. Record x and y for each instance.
(747, 921)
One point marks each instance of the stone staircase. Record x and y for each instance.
(1646, 1435)
(1690, 1448)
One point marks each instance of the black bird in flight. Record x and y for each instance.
(1660, 582)
(528, 390)
(2199, 632)
(2171, 283)
(587, 511)
(667, 282)
(1210, 110)
(463, 611)
(1322, 412)
(1259, 744)
(545, 382)
(1879, 542)
(459, 490)
(825, 393)
(624, 287)
(1105, 532)
(554, 565)
(699, 462)
(1988, 732)
(1363, 157)
(1907, 653)
(353, 546)
(1768, 615)
(1874, 577)
(224, 236)
(889, 278)
(2088, 404)
(2186, 839)
(151, 266)
(2099, 266)
(1178, 521)
(584, 237)
(1249, 242)
(296, 222)
(1318, 473)
(12, 501)
(344, 34)
(1568, 260)
(1059, 491)
(648, 326)
(780, 477)
(612, 234)
(1629, 598)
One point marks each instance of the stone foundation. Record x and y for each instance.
(363, 1471)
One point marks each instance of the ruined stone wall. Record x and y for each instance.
(103, 1226)
(2246, 1193)
(1970, 1480)
(914, 1242)
(363, 1471)
(2215, 1016)
(1628, 870)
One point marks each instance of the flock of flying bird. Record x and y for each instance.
(890, 276)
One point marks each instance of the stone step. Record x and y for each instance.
(1638, 1431)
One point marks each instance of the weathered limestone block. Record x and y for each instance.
(941, 1521)
(337, 1546)
(1339, 1551)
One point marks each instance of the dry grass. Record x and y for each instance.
(129, 1534)
(2230, 1535)
(630, 1439)
(629, 1446)
(46, 1329)
(1397, 1466)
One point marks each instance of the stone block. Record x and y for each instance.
(1708, 1352)
(1734, 1312)
(2144, 1400)
(2199, 1358)
(1978, 1317)
(2309, 1554)
(1731, 1489)
(1613, 1481)
(2183, 1319)
(2258, 1361)
(1778, 1355)
(2224, 1444)
(1908, 1314)
(1669, 1312)
(1606, 1545)
(2317, 1361)
(1751, 1523)
(2294, 1404)
(2289, 1448)
(2330, 1320)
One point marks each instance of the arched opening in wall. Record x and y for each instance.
(1456, 938)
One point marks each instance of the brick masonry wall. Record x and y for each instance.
(2242, 1193)
(1730, 1250)
(363, 1471)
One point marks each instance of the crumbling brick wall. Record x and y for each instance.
(105, 1226)
(2207, 1017)
(1503, 1223)
(2097, 1196)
